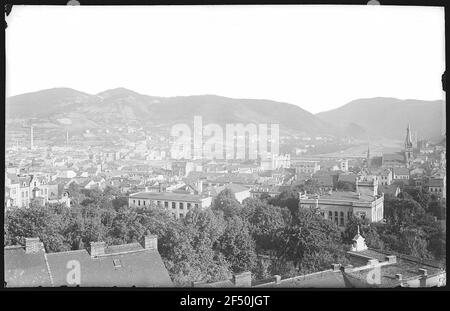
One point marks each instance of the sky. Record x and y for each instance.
(316, 57)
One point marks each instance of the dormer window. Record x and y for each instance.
(117, 263)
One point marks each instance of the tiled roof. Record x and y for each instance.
(122, 265)
(401, 171)
(436, 182)
(25, 270)
(142, 268)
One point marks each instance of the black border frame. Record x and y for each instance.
(170, 297)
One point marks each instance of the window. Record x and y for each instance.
(336, 220)
(181, 204)
(188, 205)
(134, 201)
(158, 203)
(166, 204)
(174, 205)
(139, 202)
(181, 215)
(341, 220)
(330, 215)
(117, 263)
(144, 202)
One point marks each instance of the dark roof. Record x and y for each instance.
(140, 268)
(122, 265)
(324, 279)
(25, 270)
(401, 171)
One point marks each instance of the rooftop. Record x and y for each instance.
(167, 196)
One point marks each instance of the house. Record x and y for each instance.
(437, 186)
(393, 190)
(124, 265)
(385, 177)
(178, 204)
(306, 167)
(400, 173)
(340, 206)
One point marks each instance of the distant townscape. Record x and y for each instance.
(355, 197)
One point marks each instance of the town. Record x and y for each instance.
(352, 193)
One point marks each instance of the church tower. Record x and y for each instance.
(408, 148)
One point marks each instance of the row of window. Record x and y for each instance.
(338, 217)
(435, 189)
(166, 204)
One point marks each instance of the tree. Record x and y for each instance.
(237, 245)
(264, 222)
(226, 202)
(311, 242)
(287, 198)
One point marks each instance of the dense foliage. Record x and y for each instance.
(266, 236)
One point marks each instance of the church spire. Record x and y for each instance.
(408, 140)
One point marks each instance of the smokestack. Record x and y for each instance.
(31, 139)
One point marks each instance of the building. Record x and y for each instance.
(393, 190)
(392, 160)
(21, 190)
(385, 177)
(182, 168)
(276, 161)
(400, 173)
(306, 167)
(124, 265)
(339, 206)
(409, 157)
(343, 165)
(438, 187)
(178, 204)
(261, 190)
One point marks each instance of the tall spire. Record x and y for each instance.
(408, 141)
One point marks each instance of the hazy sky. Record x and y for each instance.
(317, 57)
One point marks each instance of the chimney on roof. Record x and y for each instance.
(243, 279)
(97, 248)
(335, 267)
(423, 272)
(33, 245)
(200, 186)
(151, 241)
(391, 259)
(277, 279)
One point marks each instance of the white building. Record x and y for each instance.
(178, 204)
